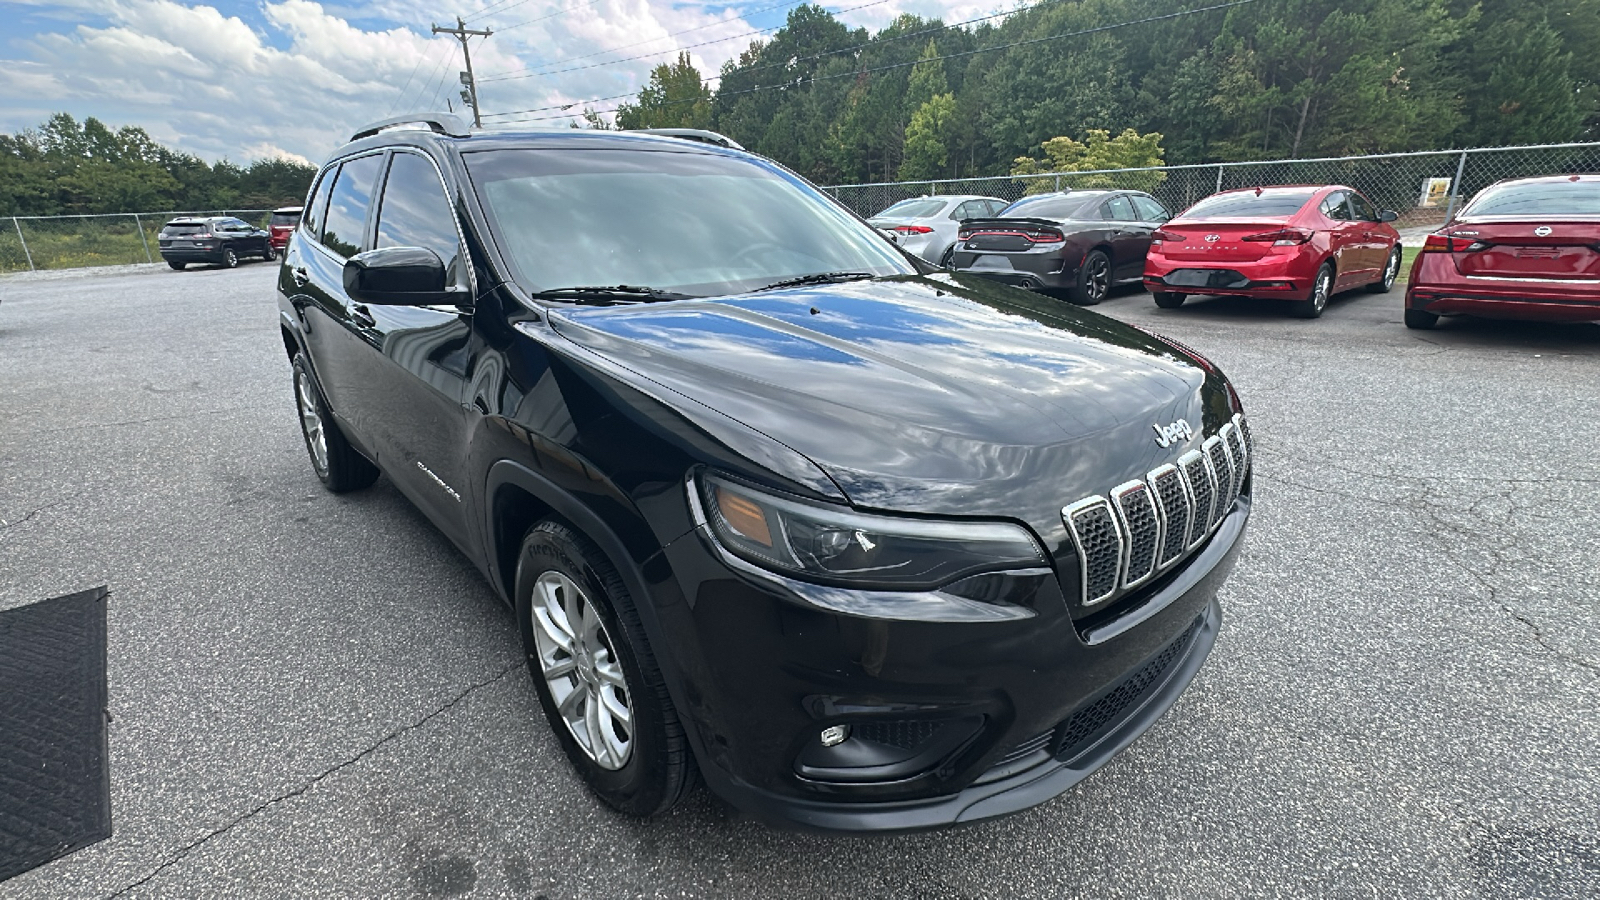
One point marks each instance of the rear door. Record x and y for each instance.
(414, 367)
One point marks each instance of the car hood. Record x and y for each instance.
(944, 394)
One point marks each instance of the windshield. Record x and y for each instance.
(920, 208)
(1054, 206)
(1546, 199)
(690, 223)
(1251, 205)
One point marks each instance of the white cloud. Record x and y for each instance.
(295, 77)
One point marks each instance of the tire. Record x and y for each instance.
(230, 259)
(339, 466)
(1094, 279)
(1321, 290)
(270, 254)
(1420, 319)
(176, 264)
(1169, 299)
(562, 574)
(1391, 271)
(947, 259)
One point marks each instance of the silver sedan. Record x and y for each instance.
(927, 226)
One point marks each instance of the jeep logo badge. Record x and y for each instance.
(1177, 432)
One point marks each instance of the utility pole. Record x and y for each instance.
(461, 32)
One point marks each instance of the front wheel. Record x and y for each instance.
(597, 680)
(339, 466)
(230, 259)
(1391, 271)
(270, 254)
(1321, 290)
(1421, 319)
(1168, 299)
(1094, 279)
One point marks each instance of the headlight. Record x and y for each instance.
(828, 544)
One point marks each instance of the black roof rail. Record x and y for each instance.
(693, 134)
(437, 122)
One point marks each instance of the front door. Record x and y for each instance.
(1130, 238)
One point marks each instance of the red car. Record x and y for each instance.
(1299, 243)
(1527, 248)
(283, 222)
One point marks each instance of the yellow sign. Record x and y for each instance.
(1435, 192)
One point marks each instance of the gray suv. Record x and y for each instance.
(221, 240)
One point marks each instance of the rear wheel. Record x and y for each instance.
(270, 254)
(230, 259)
(948, 259)
(1094, 279)
(176, 264)
(1169, 299)
(339, 466)
(596, 678)
(1391, 271)
(1321, 290)
(1421, 319)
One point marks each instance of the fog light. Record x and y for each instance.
(834, 735)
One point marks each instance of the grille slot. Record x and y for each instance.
(1099, 541)
(1244, 432)
(1222, 467)
(1086, 725)
(1030, 746)
(1202, 484)
(1136, 509)
(1175, 507)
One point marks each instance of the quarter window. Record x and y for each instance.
(416, 213)
(345, 228)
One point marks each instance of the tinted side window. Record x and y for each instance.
(1118, 209)
(1149, 209)
(347, 205)
(995, 206)
(312, 220)
(1362, 209)
(972, 209)
(1334, 208)
(416, 213)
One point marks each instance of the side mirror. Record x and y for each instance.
(396, 276)
(1387, 215)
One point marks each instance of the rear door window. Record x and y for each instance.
(972, 209)
(1335, 208)
(416, 213)
(345, 230)
(314, 214)
(1120, 209)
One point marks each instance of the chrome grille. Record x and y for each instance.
(1147, 526)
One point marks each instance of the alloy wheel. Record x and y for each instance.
(1392, 271)
(582, 670)
(1319, 295)
(1098, 281)
(311, 422)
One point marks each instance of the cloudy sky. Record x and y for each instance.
(245, 79)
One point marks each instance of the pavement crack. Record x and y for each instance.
(7, 524)
(182, 852)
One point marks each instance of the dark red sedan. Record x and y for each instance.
(283, 221)
(1527, 248)
(1299, 243)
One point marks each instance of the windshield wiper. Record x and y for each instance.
(817, 278)
(609, 292)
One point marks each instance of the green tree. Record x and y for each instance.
(1098, 151)
(927, 153)
(674, 98)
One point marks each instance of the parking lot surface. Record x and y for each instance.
(318, 696)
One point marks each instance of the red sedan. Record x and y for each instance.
(1301, 244)
(1527, 248)
(283, 221)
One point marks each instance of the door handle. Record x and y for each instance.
(362, 316)
(300, 276)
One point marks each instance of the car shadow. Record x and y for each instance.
(1469, 331)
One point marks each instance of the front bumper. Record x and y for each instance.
(1046, 703)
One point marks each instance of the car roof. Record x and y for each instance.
(287, 210)
(444, 130)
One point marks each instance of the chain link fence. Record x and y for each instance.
(29, 243)
(1424, 188)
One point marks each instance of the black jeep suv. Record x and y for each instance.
(222, 240)
(868, 544)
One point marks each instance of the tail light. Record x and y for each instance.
(1283, 237)
(913, 229)
(1444, 243)
(1045, 237)
(1037, 236)
(1164, 236)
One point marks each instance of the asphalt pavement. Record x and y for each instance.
(318, 696)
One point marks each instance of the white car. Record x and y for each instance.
(927, 226)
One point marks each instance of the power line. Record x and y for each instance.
(401, 96)
(858, 73)
(491, 10)
(500, 76)
(552, 15)
(613, 62)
